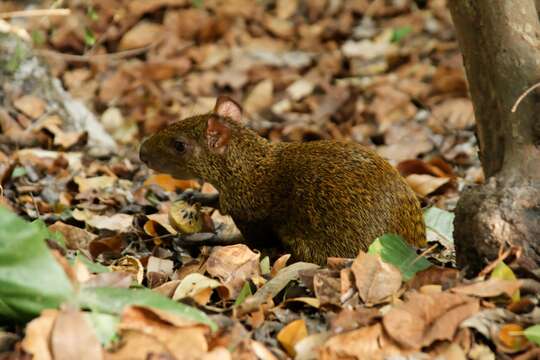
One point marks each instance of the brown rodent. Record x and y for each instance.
(315, 199)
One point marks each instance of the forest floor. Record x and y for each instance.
(82, 83)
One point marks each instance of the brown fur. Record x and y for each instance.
(318, 199)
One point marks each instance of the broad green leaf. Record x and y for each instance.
(394, 250)
(105, 326)
(113, 301)
(47, 234)
(503, 272)
(399, 33)
(440, 226)
(533, 334)
(92, 266)
(244, 293)
(18, 172)
(30, 278)
(265, 265)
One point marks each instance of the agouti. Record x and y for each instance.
(314, 200)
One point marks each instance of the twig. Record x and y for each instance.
(35, 13)
(514, 108)
(95, 58)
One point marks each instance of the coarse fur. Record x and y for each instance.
(316, 199)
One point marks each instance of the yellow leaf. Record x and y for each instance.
(291, 334)
(504, 272)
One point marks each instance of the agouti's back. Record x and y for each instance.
(341, 196)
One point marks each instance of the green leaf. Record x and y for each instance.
(89, 37)
(197, 3)
(18, 172)
(401, 32)
(503, 272)
(533, 334)
(47, 234)
(105, 326)
(38, 37)
(113, 301)
(265, 265)
(30, 278)
(440, 226)
(394, 250)
(16, 58)
(244, 293)
(92, 13)
(92, 266)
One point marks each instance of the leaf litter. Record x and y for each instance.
(385, 74)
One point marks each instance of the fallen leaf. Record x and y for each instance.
(76, 238)
(142, 34)
(73, 337)
(291, 334)
(30, 105)
(131, 265)
(488, 288)
(37, 339)
(233, 265)
(196, 286)
(156, 264)
(116, 222)
(375, 279)
(300, 89)
(308, 347)
(369, 342)
(94, 183)
(274, 286)
(424, 185)
(260, 97)
(425, 318)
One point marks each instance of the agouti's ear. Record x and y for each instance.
(218, 134)
(227, 107)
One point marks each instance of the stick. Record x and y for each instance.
(35, 13)
(514, 108)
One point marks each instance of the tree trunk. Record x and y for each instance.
(500, 43)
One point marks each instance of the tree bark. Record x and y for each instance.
(500, 43)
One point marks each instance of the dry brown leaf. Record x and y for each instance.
(369, 342)
(156, 264)
(424, 185)
(30, 105)
(117, 222)
(115, 279)
(38, 332)
(489, 288)
(452, 114)
(76, 238)
(233, 265)
(183, 342)
(291, 334)
(260, 97)
(131, 265)
(279, 264)
(274, 286)
(141, 35)
(73, 337)
(198, 287)
(94, 183)
(137, 345)
(376, 280)
(327, 287)
(425, 318)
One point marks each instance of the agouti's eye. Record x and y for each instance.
(179, 146)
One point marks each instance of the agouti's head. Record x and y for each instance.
(196, 146)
